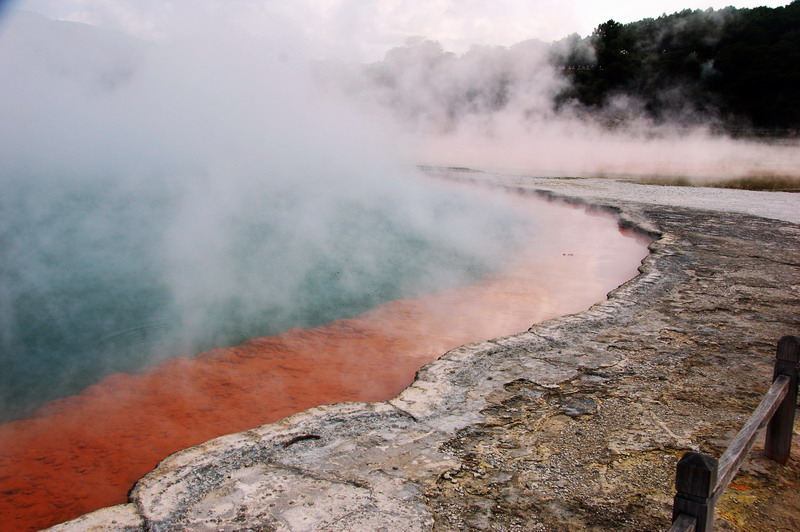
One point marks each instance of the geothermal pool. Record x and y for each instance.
(84, 450)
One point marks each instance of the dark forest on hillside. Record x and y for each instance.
(740, 65)
(733, 71)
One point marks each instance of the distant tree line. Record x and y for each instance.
(739, 67)
(733, 70)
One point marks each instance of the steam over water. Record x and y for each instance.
(100, 276)
(161, 202)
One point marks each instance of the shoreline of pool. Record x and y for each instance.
(561, 425)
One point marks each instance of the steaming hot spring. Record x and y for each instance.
(184, 259)
(292, 298)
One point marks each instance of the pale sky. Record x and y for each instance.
(365, 29)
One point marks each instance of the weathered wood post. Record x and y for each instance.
(778, 442)
(695, 481)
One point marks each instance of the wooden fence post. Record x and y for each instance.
(778, 443)
(695, 481)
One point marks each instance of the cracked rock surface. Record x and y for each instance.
(576, 424)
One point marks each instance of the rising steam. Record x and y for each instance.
(496, 108)
(163, 198)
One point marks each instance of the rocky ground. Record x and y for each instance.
(576, 424)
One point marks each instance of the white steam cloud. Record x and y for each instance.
(161, 198)
(493, 108)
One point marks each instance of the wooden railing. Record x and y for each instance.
(701, 480)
